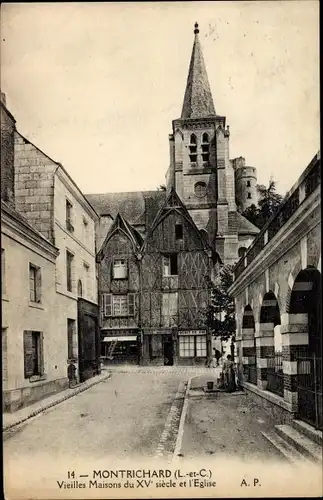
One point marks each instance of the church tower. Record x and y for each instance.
(200, 169)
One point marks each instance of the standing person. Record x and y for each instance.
(229, 374)
(217, 355)
(71, 373)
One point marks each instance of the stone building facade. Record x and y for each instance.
(49, 223)
(278, 298)
(33, 347)
(53, 204)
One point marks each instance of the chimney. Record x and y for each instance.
(3, 98)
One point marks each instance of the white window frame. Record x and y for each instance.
(167, 265)
(119, 305)
(109, 301)
(119, 269)
(36, 297)
(192, 346)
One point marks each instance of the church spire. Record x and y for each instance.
(198, 101)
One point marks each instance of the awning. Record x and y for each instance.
(120, 339)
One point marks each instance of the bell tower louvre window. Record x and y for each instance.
(193, 150)
(205, 146)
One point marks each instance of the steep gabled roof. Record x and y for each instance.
(198, 100)
(120, 223)
(174, 203)
(132, 206)
(244, 226)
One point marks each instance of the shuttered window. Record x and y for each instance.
(33, 354)
(69, 263)
(34, 283)
(119, 305)
(131, 304)
(107, 304)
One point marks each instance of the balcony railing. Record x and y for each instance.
(307, 183)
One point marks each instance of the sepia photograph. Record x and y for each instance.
(161, 250)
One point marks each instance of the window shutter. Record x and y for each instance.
(108, 304)
(38, 286)
(28, 354)
(112, 270)
(131, 304)
(102, 306)
(41, 353)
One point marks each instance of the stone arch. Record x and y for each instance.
(241, 251)
(205, 137)
(306, 300)
(291, 280)
(305, 318)
(269, 345)
(269, 311)
(249, 345)
(193, 139)
(179, 133)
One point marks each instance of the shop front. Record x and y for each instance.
(193, 347)
(119, 348)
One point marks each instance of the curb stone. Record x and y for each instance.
(54, 403)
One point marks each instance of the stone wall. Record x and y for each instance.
(7, 156)
(34, 186)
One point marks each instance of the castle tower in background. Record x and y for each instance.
(246, 184)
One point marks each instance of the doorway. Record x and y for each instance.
(168, 350)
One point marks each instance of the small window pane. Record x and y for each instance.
(120, 305)
(119, 269)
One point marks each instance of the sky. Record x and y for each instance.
(97, 85)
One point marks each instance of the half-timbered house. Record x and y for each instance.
(175, 265)
(119, 284)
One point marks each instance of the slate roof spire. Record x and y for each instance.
(198, 101)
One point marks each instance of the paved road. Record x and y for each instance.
(119, 417)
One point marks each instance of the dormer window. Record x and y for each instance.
(178, 231)
(193, 150)
(205, 146)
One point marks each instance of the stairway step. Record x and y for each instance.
(303, 444)
(284, 448)
(308, 431)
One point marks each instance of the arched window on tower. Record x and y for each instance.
(193, 150)
(205, 149)
(242, 252)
